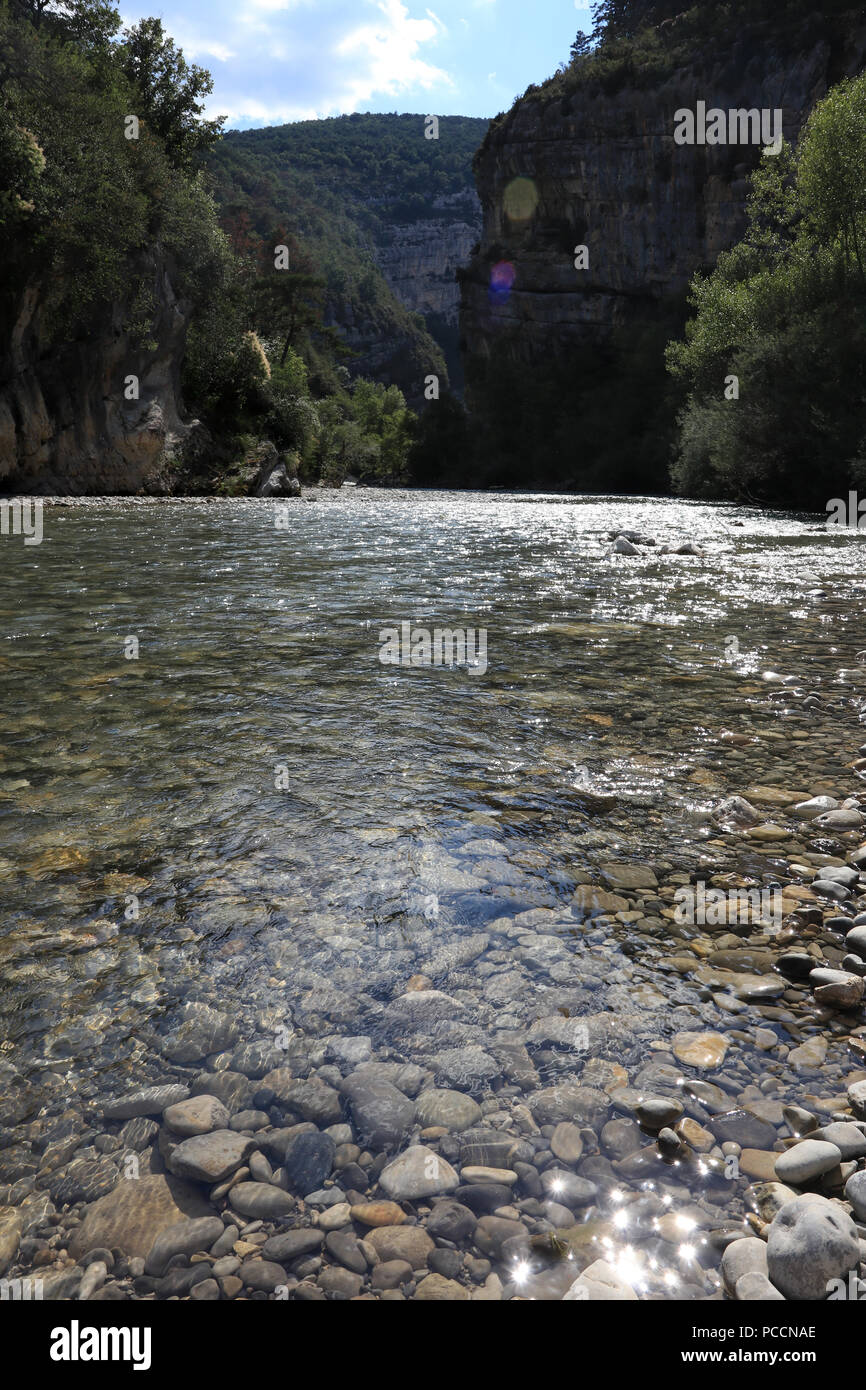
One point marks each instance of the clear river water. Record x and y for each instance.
(214, 792)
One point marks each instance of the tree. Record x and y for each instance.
(89, 23)
(832, 170)
(616, 19)
(170, 90)
(774, 360)
(582, 44)
(285, 302)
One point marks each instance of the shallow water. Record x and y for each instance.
(416, 806)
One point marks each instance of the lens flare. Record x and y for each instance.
(502, 277)
(520, 199)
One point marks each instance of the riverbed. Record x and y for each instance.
(244, 857)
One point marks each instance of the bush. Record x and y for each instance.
(784, 312)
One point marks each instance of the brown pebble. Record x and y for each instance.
(378, 1214)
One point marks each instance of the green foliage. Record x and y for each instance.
(22, 164)
(169, 92)
(90, 24)
(365, 432)
(386, 427)
(89, 215)
(785, 313)
(377, 163)
(443, 450)
(91, 206)
(832, 172)
(336, 187)
(291, 375)
(590, 419)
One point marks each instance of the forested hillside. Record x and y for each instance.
(141, 348)
(384, 214)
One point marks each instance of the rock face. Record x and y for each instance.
(601, 169)
(420, 259)
(65, 424)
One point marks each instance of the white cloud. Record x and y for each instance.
(288, 60)
(271, 6)
(385, 53)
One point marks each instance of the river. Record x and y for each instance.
(215, 793)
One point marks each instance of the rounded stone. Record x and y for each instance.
(436, 1289)
(409, 1243)
(198, 1115)
(381, 1114)
(657, 1112)
(856, 941)
(855, 1193)
(450, 1220)
(848, 1138)
(293, 1245)
(378, 1214)
(262, 1274)
(182, 1238)
(568, 1188)
(811, 1242)
(806, 1160)
(453, 1110)
(390, 1274)
(566, 1143)
(857, 1098)
(746, 1256)
(704, 1050)
(755, 1287)
(210, 1157)
(259, 1199)
(309, 1158)
(419, 1172)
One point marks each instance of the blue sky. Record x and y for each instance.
(285, 60)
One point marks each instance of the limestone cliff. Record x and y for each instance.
(420, 259)
(387, 217)
(65, 424)
(600, 168)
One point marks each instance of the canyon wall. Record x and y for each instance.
(420, 259)
(65, 425)
(589, 167)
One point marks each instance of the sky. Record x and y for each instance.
(287, 60)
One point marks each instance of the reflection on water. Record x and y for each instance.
(258, 814)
